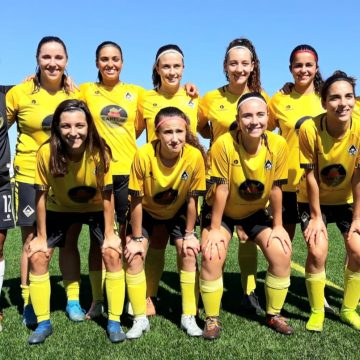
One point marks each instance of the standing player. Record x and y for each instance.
(167, 74)
(330, 192)
(74, 182)
(6, 219)
(166, 178)
(113, 105)
(248, 167)
(217, 113)
(31, 106)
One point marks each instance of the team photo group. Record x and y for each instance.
(272, 163)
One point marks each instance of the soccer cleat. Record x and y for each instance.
(328, 308)
(115, 332)
(40, 334)
(212, 328)
(96, 310)
(74, 311)
(29, 317)
(150, 307)
(250, 304)
(351, 318)
(279, 324)
(316, 321)
(140, 325)
(188, 323)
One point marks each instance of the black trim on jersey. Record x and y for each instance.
(308, 166)
(301, 121)
(136, 193)
(218, 180)
(280, 182)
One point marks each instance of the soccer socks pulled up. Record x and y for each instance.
(115, 292)
(276, 289)
(315, 286)
(40, 295)
(2, 273)
(97, 281)
(247, 257)
(154, 267)
(211, 294)
(72, 289)
(351, 291)
(136, 288)
(189, 292)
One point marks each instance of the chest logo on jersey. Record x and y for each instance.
(288, 107)
(82, 194)
(352, 150)
(251, 190)
(191, 103)
(46, 123)
(333, 175)
(184, 176)
(268, 165)
(166, 197)
(128, 96)
(113, 115)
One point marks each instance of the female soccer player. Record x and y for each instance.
(113, 105)
(329, 192)
(167, 74)
(217, 113)
(31, 105)
(166, 177)
(248, 167)
(74, 183)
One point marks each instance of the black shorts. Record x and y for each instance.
(252, 224)
(58, 223)
(6, 208)
(339, 214)
(174, 226)
(290, 211)
(121, 192)
(25, 204)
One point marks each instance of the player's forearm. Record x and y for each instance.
(276, 205)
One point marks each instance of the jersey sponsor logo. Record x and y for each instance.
(333, 175)
(300, 122)
(28, 211)
(251, 190)
(166, 197)
(184, 176)
(46, 123)
(268, 165)
(82, 194)
(113, 115)
(352, 150)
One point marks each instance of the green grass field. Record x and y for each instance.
(243, 337)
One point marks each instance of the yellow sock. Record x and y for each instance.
(115, 292)
(276, 289)
(136, 288)
(40, 295)
(247, 256)
(315, 286)
(97, 281)
(154, 267)
(188, 292)
(72, 289)
(351, 291)
(211, 293)
(25, 294)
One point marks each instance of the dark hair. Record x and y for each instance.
(338, 75)
(155, 76)
(249, 95)
(318, 80)
(102, 45)
(43, 41)
(253, 82)
(94, 143)
(190, 137)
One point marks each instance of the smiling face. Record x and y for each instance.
(238, 66)
(73, 130)
(109, 63)
(340, 101)
(52, 60)
(170, 67)
(252, 117)
(303, 69)
(172, 135)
